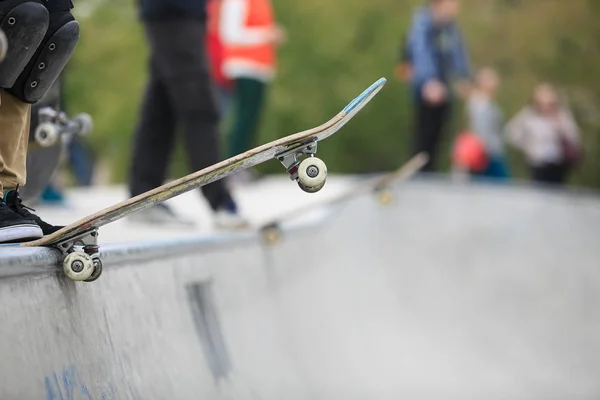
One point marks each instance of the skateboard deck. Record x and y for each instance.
(379, 185)
(296, 153)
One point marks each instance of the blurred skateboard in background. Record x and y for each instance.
(50, 132)
(270, 228)
(79, 241)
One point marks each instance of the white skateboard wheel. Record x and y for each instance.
(46, 134)
(78, 266)
(86, 125)
(312, 173)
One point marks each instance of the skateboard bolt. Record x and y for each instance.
(77, 266)
(312, 171)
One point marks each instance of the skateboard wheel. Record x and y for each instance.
(46, 134)
(85, 123)
(97, 263)
(385, 197)
(312, 173)
(310, 189)
(78, 266)
(272, 235)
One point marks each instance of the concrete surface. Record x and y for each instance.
(453, 292)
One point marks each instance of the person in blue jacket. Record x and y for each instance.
(440, 69)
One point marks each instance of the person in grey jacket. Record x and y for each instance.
(486, 121)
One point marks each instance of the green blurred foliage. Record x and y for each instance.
(336, 48)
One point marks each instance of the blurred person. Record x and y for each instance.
(250, 36)
(548, 134)
(440, 68)
(179, 90)
(486, 120)
(41, 39)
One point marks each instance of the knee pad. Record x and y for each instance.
(24, 24)
(48, 62)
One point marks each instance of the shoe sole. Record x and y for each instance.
(20, 232)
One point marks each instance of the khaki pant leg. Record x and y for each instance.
(15, 118)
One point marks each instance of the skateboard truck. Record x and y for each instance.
(303, 167)
(85, 264)
(53, 124)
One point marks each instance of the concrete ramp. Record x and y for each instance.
(453, 292)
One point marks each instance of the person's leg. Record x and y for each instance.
(184, 69)
(153, 139)
(429, 124)
(15, 117)
(81, 162)
(561, 172)
(544, 173)
(497, 168)
(249, 97)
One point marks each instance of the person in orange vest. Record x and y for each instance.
(250, 37)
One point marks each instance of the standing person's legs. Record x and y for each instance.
(186, 76)
(548, 173)
(249, 95)
(430, 122)
(153, 138)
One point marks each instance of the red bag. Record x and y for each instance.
(469, 152)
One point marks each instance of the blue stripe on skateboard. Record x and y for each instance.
(352, 105)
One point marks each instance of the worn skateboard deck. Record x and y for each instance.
(379, 185)
(84, 232)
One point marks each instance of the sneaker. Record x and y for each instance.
(159, 214)
(244, 177)
(14, 228)
(14, 202)
(228, 217)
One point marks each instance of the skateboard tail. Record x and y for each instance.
(368, 93)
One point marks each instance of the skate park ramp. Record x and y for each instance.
(453, 291)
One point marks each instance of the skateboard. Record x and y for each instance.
(379, 185)
(47, 142)
(50, 132)
(79, 241)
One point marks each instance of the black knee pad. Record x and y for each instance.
(24, 23)
(48, 62)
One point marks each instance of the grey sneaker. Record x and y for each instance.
(159, 214)
(229, 220)
(244, 177)
(228, 217)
